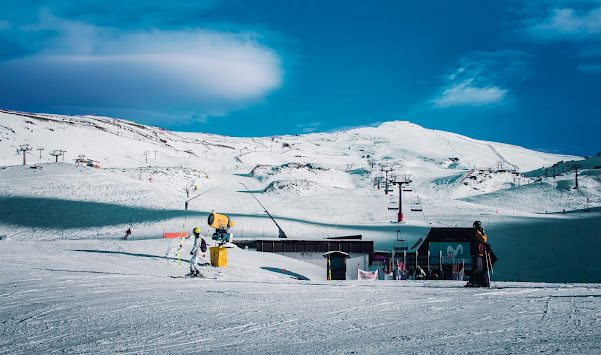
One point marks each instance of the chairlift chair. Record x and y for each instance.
(400, 244)
(416, 207)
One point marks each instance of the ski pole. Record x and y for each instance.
(487, 267)
(491, 268)
(181, 241)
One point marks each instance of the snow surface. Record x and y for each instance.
(70, 283)
(95, 296)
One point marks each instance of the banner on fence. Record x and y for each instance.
(366, 275)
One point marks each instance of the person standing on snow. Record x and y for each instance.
(199, 246)
(479, 277)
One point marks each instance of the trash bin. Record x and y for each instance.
(218, 256)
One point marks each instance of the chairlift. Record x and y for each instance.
(400, 244)
(407, 189)
(393, 204)
(416, 207)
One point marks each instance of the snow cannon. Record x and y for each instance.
(220, 221)
(222, 224)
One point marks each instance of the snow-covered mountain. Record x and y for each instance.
(442, 165)
(317, 185)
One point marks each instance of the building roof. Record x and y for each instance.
(337, 252)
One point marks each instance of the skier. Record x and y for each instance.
(127, 233)
(199, 246)
(479, 277)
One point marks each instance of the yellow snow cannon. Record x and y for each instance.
(220, 222)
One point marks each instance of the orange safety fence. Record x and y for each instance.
(176, 235)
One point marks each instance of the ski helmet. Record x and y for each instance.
(196, 230)
(477, 224)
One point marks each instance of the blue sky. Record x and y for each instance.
(520, 72)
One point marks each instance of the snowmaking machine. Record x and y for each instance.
(222, 225)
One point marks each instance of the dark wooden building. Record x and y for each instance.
(315, 245)
(312, 250)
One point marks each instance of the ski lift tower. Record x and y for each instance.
(386, 170)
(24, 148)
(404, 180)
(56, 154)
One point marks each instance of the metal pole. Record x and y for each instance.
(440, 261)
(416, 265)
(281, 231)
(404, 262)
(393, 262)
(400, 217)
(386, 184)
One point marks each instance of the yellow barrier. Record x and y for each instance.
(218, 256)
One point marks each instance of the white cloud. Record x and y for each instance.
(464, 93)
(196, 70)
(481, 79)
(309, 127)
(590, 68)
(566, 24)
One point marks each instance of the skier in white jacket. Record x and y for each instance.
(199, 246)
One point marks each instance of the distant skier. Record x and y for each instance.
(127, 233)
(479, 277)
(199, 246)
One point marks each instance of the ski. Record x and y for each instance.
(192, 277)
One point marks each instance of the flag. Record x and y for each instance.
(401, 270)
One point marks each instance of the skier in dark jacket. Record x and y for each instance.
(127, 233)
(479, 276)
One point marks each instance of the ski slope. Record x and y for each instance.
(90, 296)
